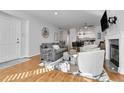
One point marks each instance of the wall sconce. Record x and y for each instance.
(112, 20)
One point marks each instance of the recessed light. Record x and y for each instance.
(55, 13)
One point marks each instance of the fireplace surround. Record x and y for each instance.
(120, 36)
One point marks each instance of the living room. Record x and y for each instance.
(68, 32)
(61, 46)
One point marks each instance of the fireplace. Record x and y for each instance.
(119, 37)
(114, 53)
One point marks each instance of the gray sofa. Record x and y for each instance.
(48, 53)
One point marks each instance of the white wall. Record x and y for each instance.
(24, 38)
(36, 38)
(119, 26)
(98, 30)
(63, 35)
(35, 27)
(72, 36)
(116, 31)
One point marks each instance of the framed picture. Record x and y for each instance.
(45, 32)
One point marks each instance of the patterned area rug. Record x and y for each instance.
(73, 69)
(103, 77)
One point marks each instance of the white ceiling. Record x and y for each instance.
(68, 18)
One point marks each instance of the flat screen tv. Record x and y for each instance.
(104, 22)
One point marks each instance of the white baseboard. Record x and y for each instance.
(28, 56)
(34, 55)
(121, 70)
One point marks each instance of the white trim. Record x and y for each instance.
(34, 55)
(19, 36)
(27, 39)
(121, 70)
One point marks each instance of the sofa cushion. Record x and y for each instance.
(60, 50)
(46, 45)
(56, 47)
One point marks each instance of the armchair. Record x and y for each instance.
(91, 63)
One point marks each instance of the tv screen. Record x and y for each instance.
(104, 22)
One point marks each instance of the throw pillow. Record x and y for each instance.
(56, 47)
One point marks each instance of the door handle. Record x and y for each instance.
(17, 42)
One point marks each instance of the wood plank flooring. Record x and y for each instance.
(30, 71)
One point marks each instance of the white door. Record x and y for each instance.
(9, 39)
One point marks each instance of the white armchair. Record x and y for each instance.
(91, 63)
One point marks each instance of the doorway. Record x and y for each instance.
(10, 38)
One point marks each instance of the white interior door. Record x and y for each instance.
(9, 39)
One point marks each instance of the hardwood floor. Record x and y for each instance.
(30, 71)
(114, 76)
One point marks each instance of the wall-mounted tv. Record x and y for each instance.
(104, 22)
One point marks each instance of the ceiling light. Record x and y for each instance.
(55, 13)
